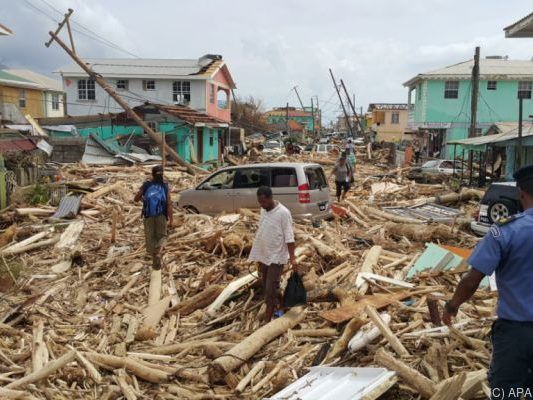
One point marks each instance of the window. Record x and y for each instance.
(212, 94)
(316, 178)
(222, 99)
(284, 177)
(22, 98)
(181, 92)
(451, 89)
(122, 84)
(395, 118)
(251, 178)
(55, 101)
(152, 124)
(524, 89)
(86, 89)
(222, 180)
(491, 85)
(148, 85)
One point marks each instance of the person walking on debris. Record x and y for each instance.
(157, 213)
(350, 154)
(343, 177)
(507, 250)
(273, 247)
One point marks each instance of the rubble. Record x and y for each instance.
(96, 327)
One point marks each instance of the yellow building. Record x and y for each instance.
(389, 121)
(19, 97)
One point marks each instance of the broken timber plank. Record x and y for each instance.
(386, 332)
(370, 261)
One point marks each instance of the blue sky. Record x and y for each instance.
(271, 46)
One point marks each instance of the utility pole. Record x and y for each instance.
(298, 95)
(519, 142)
(475, 93)
(313, 116)
(103, 83)
(361, 130)
(287, 118)
(342, 104)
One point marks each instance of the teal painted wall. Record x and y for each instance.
(500, 105)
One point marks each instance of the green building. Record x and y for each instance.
(440, 101)
(281, 115)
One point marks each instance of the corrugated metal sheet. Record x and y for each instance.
(426, 212)
(186, 114)
(337, 383)
(16, 144)
(69, 207)
(95, 154)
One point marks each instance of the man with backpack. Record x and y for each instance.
(157, 213)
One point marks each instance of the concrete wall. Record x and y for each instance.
(386, 130)
(135, 96)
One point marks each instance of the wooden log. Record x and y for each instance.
(26, 242)
(47, 370)
(389, 216)
(89, 367)
(29, 247)
(154, 292)
(367, 276)
(386, 332)
(15, 395)
(244, 350)
(69, 237)
(35, 211)
(117, 186)
(370, 261)
(267, 378)
(257, 368)
(199, 300)
(231, 288)
(133, 366)
(178, 347)
(451, 388)
(349, 331)
(323, 332)
(39, 356)
(425, 233)
(413, 378)
(125, 388)
(152, 316)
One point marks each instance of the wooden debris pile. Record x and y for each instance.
(86, 317)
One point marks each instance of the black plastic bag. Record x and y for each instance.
(295, 291)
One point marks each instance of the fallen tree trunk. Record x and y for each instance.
(135, 367)
(15, 395)
(243, 351)
(370, 261)
(231, 288)
(199, 300)
(426, 233)
(413, 378)
(389, 216)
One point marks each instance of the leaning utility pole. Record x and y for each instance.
(342, 104)
(103, 83)
(475, 93)
(298, 95)
(287, 118)
(313, 116)
(519, 141)
(361, 129)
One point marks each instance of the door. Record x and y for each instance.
(285, 187)
(246, 183)
(215, 194)
(200, 145)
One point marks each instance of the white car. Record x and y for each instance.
(273, 147)
(326, 148)
(441, 167)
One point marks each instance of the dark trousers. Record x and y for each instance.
(340, 187)
(270, 276)
(510, 373)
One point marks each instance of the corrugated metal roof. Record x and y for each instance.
(521, 28)
(42, 80)
(16, 144)
(292, 113)
(69, 206)
(504, 131)
(388, 106)
(141, 67)
(14, 80)
(489, 68)
(186, 114)
(339, 383)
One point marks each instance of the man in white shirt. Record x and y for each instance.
(273, 247)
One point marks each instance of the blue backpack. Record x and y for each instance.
(155, 200)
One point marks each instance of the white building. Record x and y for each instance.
(53, 95)
(203, 84)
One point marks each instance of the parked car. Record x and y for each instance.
(273, 147)
(308, 148)
(301, 187)
(441, 167)
(500, 201)
(326, 148)
(323, 140)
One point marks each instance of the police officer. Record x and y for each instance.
(507, 249)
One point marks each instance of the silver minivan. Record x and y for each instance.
(301, 187)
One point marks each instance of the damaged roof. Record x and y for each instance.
(522, 28)
(13, 80)
(388, 106)
(184, 113)
(44, 81)
(201, 68)
(13, 145)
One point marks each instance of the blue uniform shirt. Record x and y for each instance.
(508, 250)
